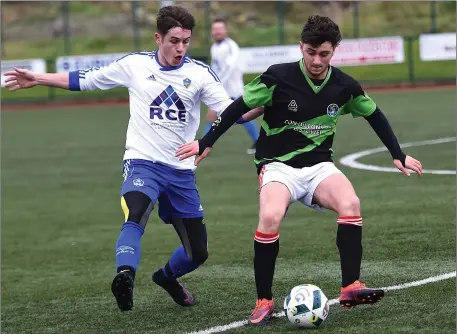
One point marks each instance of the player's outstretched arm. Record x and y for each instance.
(202, 147)
(21, 78)
(381, 126)
(116, 74)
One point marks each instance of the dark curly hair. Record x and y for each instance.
(170, 17)
(320, 29)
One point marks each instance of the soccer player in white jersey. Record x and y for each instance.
(224, 61)
(165, 89)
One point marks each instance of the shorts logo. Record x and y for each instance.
(138, 182)
(333, 109)
(186, 82)
(293, 106)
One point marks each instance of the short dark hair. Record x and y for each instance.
(170, 17)
(320, 29)
(219, 20)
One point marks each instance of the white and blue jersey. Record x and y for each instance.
(164, 114)
(164, 102)
(224, 61)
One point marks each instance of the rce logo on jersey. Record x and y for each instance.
(170, 114)
(169, 98)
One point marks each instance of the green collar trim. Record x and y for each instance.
(315, 88)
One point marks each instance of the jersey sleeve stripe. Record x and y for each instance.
(142, 53)
(207, 67)
(74, 81)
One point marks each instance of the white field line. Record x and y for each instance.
(351, 159)
(237, 324)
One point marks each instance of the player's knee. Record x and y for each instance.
(199, 256)
(137, 207)
(349, 206)
(193, 234)
(270, 219)
(136, 214)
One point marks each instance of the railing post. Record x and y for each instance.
(411, 74)
(207, 13)
(50, 67)
(355, 23)
(281, 14)
(432, 16)
(135, 26)
(66, 27)
(1, 31)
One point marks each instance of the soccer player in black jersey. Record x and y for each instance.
(302, 103)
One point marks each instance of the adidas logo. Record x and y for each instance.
(293, 106)
(151, 77)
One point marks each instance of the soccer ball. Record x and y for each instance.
(306, 306)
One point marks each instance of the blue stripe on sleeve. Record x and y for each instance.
(143, 53)
(210, 70)
(74, 81)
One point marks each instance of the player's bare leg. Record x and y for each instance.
(274, 200)
(337, 193)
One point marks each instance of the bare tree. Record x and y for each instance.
(333, 9)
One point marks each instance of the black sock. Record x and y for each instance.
(266, 249)
(349, 242)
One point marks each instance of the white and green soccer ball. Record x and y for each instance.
(306, 306)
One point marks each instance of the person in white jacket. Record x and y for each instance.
(224, 61)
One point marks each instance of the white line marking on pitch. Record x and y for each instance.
(237, 324)
(351, 159)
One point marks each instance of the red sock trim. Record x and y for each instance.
(350, 220)
(266, 238)
(350, 217)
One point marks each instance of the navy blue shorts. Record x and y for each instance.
(175, 189)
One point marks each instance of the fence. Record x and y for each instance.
(430, 57)
(53, 29)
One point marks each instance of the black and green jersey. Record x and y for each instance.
(300, 116)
